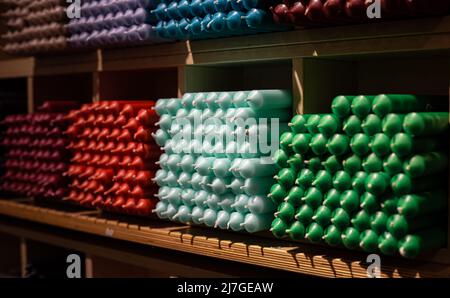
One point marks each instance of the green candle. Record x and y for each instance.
(369, 241)
(322, 216)
(392, 124)
(304, 214)
(352, 164)
(372, 163)
(358, 182)
(431, 239)
(339, 144)
(314, 233)
(279, 228)
(298, 124)
(296, 231)
(360, 144)
(318, 144)
(352, 125)
(378, 222)
(426, 164)
(332, 164)
(342, 181)
(286, 141)
(329, 125)
(377, 183)
(340, 218)
(305, 178)
(296, 162)
(313, 197)
(361, 105)
(414, 205)
(403, 144)
(402, 184)
(312, 123)
(426, 124)
(380, 144)
(371, 125)
(300, 143)
(314, 164)
(323, 180)
(384, 104)
(399, 226)
(392, 164)
(332, 199)
(389, 205)
(349, 201)
(286, 177)
(280, 158)
(387, 244)
(295, 195)
(369, 202)
(286, 212)
(277, 194)
(332, 236)
(361, 220)
(351, 238)
(341, 105)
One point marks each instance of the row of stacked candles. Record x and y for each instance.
(113, 156)
(199, 19)
(369, 176)
(212, 173)
(34, 26)
(35, 153)
(110, 22)
(326, 12)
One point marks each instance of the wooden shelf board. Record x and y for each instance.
(250, 249)
(16, 67)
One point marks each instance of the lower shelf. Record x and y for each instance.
(250, 249)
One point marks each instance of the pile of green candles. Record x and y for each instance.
(218, 182)
(369, 176)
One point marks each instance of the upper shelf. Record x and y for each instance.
(265, 252)
(365, 39)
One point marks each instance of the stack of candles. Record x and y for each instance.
(113, 158)
(34, 26)
(111, 22)
(199, 19)
(35, 152)
(368, 176)
(329, 12)
(211, 172)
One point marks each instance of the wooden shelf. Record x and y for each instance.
(265, 252)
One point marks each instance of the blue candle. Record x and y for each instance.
(236, 219)
(222, 5)
(196, 8)
(222, 219)
(208, 6)
(172, 10)
(183, 9)
(213, 202)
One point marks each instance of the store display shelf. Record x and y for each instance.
(255, 250)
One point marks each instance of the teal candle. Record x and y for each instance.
(183, 214)
(332, 199)
(342, 181)
(225, 100)
(304, 214)
(339, 144)
(332, 164)
(392, 124)
(187, 163)
(187, 197)
(371, 125)
(209, 217)
(318, 144)
(200, 198)
(298, 124)
(352, 125)
(240, 99)
(359, 144)
(197, 214)
(351, 238)
(226, 201)
(341, 105)
(161, 137)
(236, 186)
(184, 180)
(203, 165)
(361, 105)
(426, 164)
(269, 99)
(372, 163)
(352, 164)
(223, 217)
(305, 178)
(236, 219)
(358, 182)
(332, 236)
(259, 185)
(296, 231)
(413, 205)
(171, 179)
(387, 244)
(300, 143)
(170, 211)
(313, 197)
(349, 201)
(329, 125)
(219, 185)
(426, 124)
(159, 177)
(160, 207)
(392, 164)
(260, 205)
(186, 100)
(221, 167)
(257, 222)
(160, 106)
(255, 167)
(235, 166)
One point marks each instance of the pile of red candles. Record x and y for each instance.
(328, 12)
(113, 156)
(35, 154)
